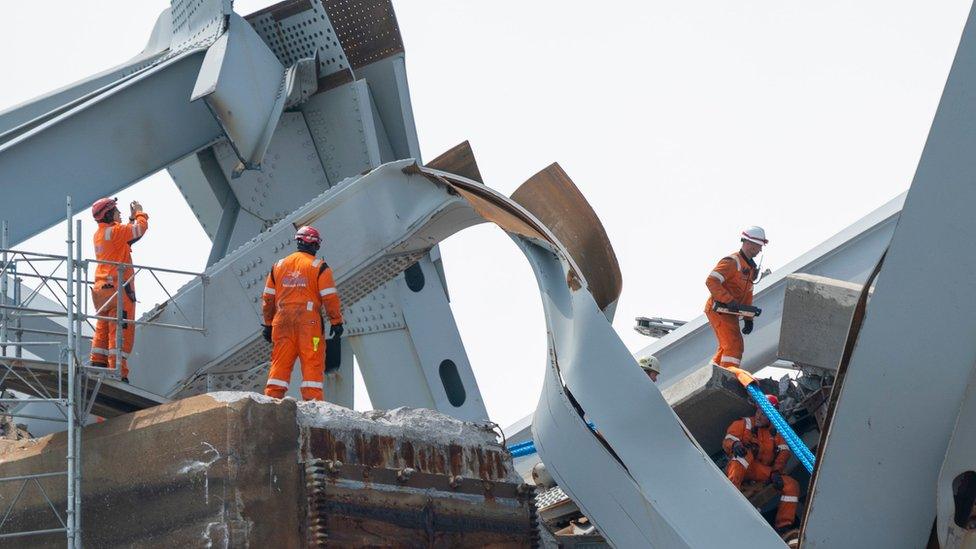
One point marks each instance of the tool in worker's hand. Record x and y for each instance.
(738, 449)
(333, 354)
(747, 326)
(743, 311)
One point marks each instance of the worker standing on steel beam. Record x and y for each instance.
(758, 453)
(730, 284)
(299, 289)
(651, 366)
(113, 242)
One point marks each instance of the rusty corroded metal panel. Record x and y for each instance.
(553, 198)
(368, 484)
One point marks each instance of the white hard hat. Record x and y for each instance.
(756, 235)
(650, 364)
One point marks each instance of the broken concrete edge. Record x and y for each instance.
(410, 423)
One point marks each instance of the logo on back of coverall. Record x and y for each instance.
(294, 279)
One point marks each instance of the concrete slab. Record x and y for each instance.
(244, 470)
(706, 401)
(817, 313)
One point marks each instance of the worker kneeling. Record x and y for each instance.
(756, 452)
(298, 288)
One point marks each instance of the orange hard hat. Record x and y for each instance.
(102, 206)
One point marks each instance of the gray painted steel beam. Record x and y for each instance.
(876, 480)
(105, 144)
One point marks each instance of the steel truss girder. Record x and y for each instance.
(105, 144)
(661, 471)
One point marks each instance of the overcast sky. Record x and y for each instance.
(681, 122)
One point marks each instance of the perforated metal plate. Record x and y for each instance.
(196, 21)
(367, 29)
(299, 29)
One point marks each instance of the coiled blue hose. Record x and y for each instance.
(800, 450)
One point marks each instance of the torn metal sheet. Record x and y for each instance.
(663, 478)
(552, 197)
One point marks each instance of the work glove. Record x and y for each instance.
(776, 479)
(747, 326)
(336, 330)
(266, 332)
(738, 449)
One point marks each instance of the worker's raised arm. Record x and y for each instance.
(783, 453)
(268, 299)
(716, 280)
(328, 295)
(137, 227)
(734, 434)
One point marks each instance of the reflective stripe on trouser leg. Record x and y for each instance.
(283, 355)
(128, 333)
(788, 502)
(311, 352)
(726, 328)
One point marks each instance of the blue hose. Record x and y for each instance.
(800, 450)
(527, 447)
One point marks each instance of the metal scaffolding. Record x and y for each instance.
(56, 374)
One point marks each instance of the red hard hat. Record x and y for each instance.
(773, 400)
(308, 235)
(102, 206)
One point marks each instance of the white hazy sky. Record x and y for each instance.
(681, 122)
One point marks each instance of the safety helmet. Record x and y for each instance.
(102, 206)
(756, 235)
(773, 400)
(308, 235)
(650, 364)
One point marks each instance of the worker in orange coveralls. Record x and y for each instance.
(113, 242)
(299, 287)
(757, 452)
(730, 283)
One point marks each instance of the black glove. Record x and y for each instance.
(776, 479)
(738, 449)
(747, 326)
(336, 330)
(266, 332)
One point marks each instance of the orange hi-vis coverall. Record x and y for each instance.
(765, 454)
(299, 287)
(731, 280)
(113, 242)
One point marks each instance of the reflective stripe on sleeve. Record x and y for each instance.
(270, 291)
(738, 264)
(316, 263)
(748, 421)
(783, 447)
(717, 275)
(789, 499)
(731, 359)
(327, 291)
(311, 385)
(277, 382)
(733, 437)
(742, 461)
(108, 233)
(99, 351)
